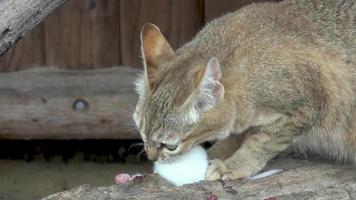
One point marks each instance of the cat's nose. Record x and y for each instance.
(151, 154)
(152, 157)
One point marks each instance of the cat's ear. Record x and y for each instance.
(155, 50)
(208, 91)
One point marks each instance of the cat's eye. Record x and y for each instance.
(170, 147)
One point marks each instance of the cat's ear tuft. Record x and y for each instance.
(155, 50)
(207, 92)
(210, 89)
(212, 72)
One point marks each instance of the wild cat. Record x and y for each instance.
(285, 73)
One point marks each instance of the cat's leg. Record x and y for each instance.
(256, 150)
(222, 149)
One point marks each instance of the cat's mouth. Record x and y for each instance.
(166, 161)
(170, 159)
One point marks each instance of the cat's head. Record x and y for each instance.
(174, 94)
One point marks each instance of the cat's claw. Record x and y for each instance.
(231, 175)
(215, 170)
(218, 170)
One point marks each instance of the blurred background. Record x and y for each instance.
(66, 92)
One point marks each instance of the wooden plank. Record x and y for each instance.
(82, 34)
(61, 104)
(179, 21)
(213, 8)
(18, 17)
(29, 49)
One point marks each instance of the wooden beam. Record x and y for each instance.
(60, 104)
(18, 17)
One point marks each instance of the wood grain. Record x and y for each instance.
(18, 17)
(214, 9)
(28, 52)
(82, 34)
(301, 179)
(62, 104)
(90, 34)
(179, 21)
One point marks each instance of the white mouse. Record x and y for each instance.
(189, 167)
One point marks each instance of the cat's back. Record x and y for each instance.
(330, 21)
(337, 20)
(258, 34)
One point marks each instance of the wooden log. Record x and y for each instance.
(302, 179)
(18, 17)
(60, 104)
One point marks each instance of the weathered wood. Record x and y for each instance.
(91, 34)
(27, 52)
(81, 34)
(179, 21)
(88, 34)
(18, 17)
(302, 179)
(62, 104)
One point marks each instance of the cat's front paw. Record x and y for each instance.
(218, 169)
(215, 170)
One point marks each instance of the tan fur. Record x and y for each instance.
(286, 73)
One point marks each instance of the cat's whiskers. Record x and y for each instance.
(212, 142)
(138, 144)
(142, 152)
